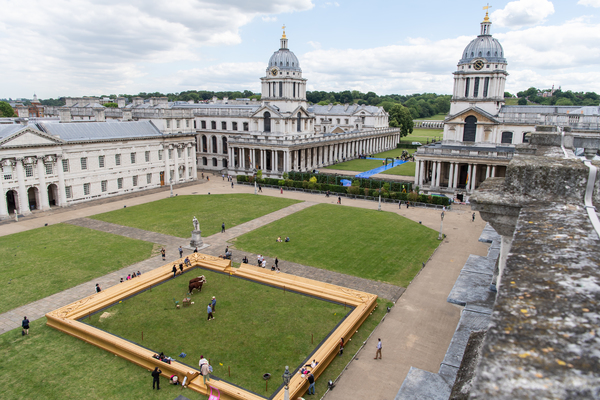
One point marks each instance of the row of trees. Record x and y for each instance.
(558, 97)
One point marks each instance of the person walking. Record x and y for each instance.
(223, 227)
(232, 184)
(156, 378)
(209, 312)
(473, 218)
(180, 268)
(339, 199)
(163, 253)
(281, 190)
(213, 304)
(311, 380)
(25, 326)
(276, 263)
(204, 369)
(98, 290)
(180, 252)
(378, 352)
(341, 346)
(174, 270)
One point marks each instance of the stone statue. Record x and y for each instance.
(196, 224)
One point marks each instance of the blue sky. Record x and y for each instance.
(94, 47)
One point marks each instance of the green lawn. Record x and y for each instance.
(370, 244)
(406, 169)
(359, 165)
(257, 329)
(394, 153)
(436, 117)
(40, 262)
(52, 365)
(173, 216)
(421, 135)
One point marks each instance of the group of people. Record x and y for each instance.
(130, 276)
(212, 306)
(287, 239)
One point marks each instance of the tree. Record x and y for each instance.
(507, 95)
(400, 117)
(6, 111)
(111, 105)
(522, 101)
(564, 101)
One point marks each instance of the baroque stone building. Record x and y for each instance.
(480, 132)
(54, 164)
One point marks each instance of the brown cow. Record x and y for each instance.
(195, 285)
(201, 278)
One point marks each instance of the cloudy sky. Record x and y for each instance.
(93, 47)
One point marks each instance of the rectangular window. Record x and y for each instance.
(170, 154)
(178, 124)
(180, 173)
(86, 189)
(117, 159)
(203, 124)
(160, 153)
(280, 89)
(147, 156)
(187, 123)
(171, 175)
(133, 158)
(28, 170)
(83, 162)
(148, 178)
(104, 185)
(7, 171)
(246, 126)
(346, 121)
(168, 123)
(120, 183)
(65, 164)
(68, 192)
(224, 125)
(467, 87)
(213, 124)
(485, 86)
(234, 126)
(179, 151)
(134, 179)
(476, 88)
(49, 169)
(101, 161)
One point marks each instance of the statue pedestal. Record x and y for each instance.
(196, 239)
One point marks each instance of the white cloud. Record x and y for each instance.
(591, 3)
(314, 45)
(521, 13)
(269, 19)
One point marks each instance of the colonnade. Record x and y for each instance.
(304, 157)
(431, 172)
(173, 165)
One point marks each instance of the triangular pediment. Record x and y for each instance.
(261, 111)
(481, 115)
(29, 137)
(301, 110)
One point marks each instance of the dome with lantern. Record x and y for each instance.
(484, 46)
(284, 59)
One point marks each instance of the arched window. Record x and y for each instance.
(507, 137)
(214, 144)
(476, 87)
(267, 121)
(224, 144)
(486, 86)
(525, 137)
(467, 87)
(479, 54)
(298, 122)
(470, 129)
(224, 163)
(496, 54)
(204, 145)
(472, 54)
(488, 53)
(287, 64)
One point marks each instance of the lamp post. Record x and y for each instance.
(171, 184)
(379, 207)
(286, 381)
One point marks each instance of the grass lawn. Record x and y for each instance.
(406, 169)
(173, 216)
(44, 261)
(436, 117)
(421, 135)
(376, 245)
(394, 153)
(257, 329)
(359, 165)
(49, 364)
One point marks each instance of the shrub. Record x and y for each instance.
(281, 182)
(353, 190)
(242, 178)
(259, 174)
(386, 187)
(374, 192)
(413, 196)
(298, 184)
(313, 179)
(367, 191)
(285, 175)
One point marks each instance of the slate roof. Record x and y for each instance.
(101, 130)
(9, 129)
(340, 109)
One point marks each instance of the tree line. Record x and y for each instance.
(556, 98)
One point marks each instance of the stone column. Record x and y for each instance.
(45, 204)
(474, 177)
(274, 161)
(186, 162)
(175, 163)
(166, 157)
(455, 180)
(487, 171)
(62, 195)
(422, 173)
(417, 171)
(23, 199)
(252, 154)
(451, 176)
(470, 175)
(3, 204)
(493, 171)
(302, 160)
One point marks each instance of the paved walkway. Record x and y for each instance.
(416, 332)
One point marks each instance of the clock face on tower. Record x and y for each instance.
(478, 65)
(274, 71)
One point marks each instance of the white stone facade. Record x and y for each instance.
(45, 166)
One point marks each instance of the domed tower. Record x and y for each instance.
(481, 74)
(283, 84)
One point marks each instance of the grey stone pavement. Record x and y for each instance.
(217, 244)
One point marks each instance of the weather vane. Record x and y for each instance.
(486, 8)
(283, 27)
